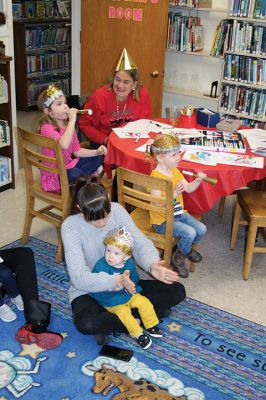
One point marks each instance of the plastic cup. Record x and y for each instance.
(173, 114)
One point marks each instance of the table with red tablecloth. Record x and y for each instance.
(122, 152)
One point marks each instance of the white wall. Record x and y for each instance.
(75, 47)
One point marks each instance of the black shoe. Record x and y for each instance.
(154, 332)
(167, 312)
(144, 341)
(194, 256)
(178, 261)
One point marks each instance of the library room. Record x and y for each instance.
(132, 131)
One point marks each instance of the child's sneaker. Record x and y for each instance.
(154, 332)
(46, 340)
(144, 340)
(6, 314)
(18, 302)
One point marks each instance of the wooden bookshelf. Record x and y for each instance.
(190, 93)
(42, 56)
(6, 150)
(205, 66)
(243, 89)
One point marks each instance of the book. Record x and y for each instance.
(40, 9)
(30, 9)
(62, 9)
(197, 32)
(17, 10)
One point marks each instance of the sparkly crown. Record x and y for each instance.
(165, 144)
(52, 94)
(121, 239)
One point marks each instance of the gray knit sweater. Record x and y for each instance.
(83, 245)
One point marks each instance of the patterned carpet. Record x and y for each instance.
(205, 353)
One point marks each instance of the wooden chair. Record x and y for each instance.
(252, 204)
(57, 204)
(132, 191)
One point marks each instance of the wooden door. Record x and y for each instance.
(107, 26)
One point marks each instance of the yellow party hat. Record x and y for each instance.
(125, 62)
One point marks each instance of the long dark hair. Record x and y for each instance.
(90, 198)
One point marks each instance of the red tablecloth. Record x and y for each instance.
(121, 152)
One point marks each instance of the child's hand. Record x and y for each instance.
(102, 150)
(180, 187)
(200, 176)
(72, 114)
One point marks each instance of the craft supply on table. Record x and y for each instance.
(215, 141)
(207, 117)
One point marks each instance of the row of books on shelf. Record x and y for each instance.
(36, 86)
(184, 33)
(41, 9)
(191, 3)
(242, 100)
(4, 133)
(245, 69)
(248, 8)
(253, 124)
(43, 36)
(3, 90)
(47, 62)
(5, 170)
(238, 36)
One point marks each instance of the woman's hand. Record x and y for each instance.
(102, 150)
(158, 271)
(124, 281)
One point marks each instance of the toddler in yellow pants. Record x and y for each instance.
(118, 260)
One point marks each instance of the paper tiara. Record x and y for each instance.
(165, 144)
(52, 94)
(121, 239)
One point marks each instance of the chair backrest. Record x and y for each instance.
(134, 190)
(31, 149)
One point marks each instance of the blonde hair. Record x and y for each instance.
(163, 144)
(121, 239)
(134, 74)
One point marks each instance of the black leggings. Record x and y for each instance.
(21, 261)
(90, 318)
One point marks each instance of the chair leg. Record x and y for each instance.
(252, 232)
(28, 221)
(221, 206)
(108, 185)
(167, 256)
(192, 267)
(235, 225)
(60, 247)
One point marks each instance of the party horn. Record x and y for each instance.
(213, 181)
(89, 111)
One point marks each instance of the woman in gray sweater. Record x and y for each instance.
(92, 215)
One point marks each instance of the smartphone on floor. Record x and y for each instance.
(116, 352)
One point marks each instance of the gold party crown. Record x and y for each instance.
(52, 94)
(125, 62)
(121, 239)
(165, 144)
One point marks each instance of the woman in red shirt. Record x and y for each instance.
(115, 105)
